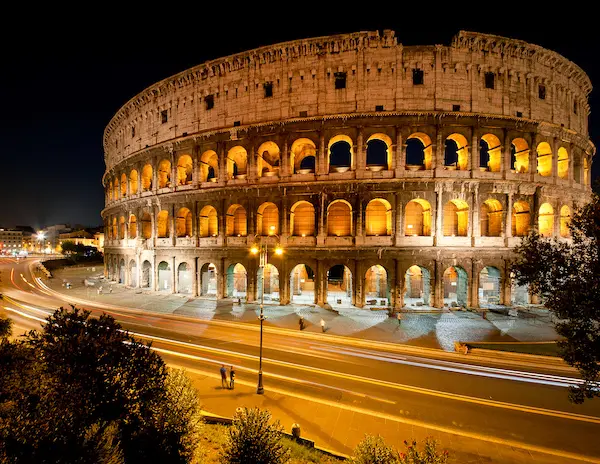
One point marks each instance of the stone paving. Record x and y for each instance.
(435, 329)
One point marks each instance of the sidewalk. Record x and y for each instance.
(425, 329)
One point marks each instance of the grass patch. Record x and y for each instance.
(540, 349)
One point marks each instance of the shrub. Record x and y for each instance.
(373, 450)
(5, 327)
(252, 440)
(429, 455)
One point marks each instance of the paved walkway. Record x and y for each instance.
(439, 329)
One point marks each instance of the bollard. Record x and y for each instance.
(296, 431)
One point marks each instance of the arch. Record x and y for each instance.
(339, 219)
(164, 174)
(183, 223)
(519, 294)
(267, 219)
(115, 228)
(123, 185)
(132, 226)
(565, 221)
(546, 220)
(146, 226)
(185, 168)
(133, 273)
(490, 218)
(302, 219)
(456, 218)
(586, 172)
(162, 224)
(376, 286)
(236, 281)
(519, 160)
(268, 159)
(146, 276)
(340, 153)
(184, 278)
(208, 280)
(236, 222)
(417, 218)
(122, 271)
(379, 153)
(267, 282)
(165, 276)
(563, 163)
(417, 286)
(121, 227)
(339, 286)
(237, 162)
(302, 284)
(147, 178)
(455, 286)
(521, 219)
(490, 153)
(209, 166)
(378, 218)
(419, 150)
(303, 156)
(116, 189)
(489, 286)
(110, 190)
(456, 152)
(209, 222)
(133, 182)
(544, 159)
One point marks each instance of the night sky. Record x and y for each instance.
(63, 78)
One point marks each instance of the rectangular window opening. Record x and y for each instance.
(303, 114)
(455, 107)
(237, 123)
(417, 77)
(132, 131)
(379, 108)
(542, 92)
(340, 80)
(209, 102)
(489, 80)
(164, 116)
(575, 107)
(268, 86)
(519, 114)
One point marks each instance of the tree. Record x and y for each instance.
(5, 327)
(567, 276)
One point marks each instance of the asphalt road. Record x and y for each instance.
(513, 406)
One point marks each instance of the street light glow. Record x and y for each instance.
(279, 251)
(254, 249)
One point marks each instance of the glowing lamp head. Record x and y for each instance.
(254, 249)
(278, 251)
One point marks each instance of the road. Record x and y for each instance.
(483, 408)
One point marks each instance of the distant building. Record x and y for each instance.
(11, 241)
(83, 237)
(52, 235)
(29, 237)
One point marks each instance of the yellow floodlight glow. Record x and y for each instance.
(278, 251)
(254, 250)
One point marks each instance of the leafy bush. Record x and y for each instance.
(373, 450)
(252, 440)
(429, 455)
(5, 327)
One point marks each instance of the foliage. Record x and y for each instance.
(567, 276)
(252, 440)
(429, 455)
(374, 450)
(80, 252)
(5, 327)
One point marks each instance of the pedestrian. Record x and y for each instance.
(399, 317)
(231, 377)
(99, 289)
(301, 322)
(322, 325)
(223, 376)
(110, 289)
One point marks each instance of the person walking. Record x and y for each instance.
(322, 325)
(399, 317)
(231, 377)
(301, 322)
(223, 376)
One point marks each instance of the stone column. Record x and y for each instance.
(322, 161)
(533, 156)
(398, 286)
(284, 162)
(507, 157)
(473, 295)
(174, 179)
(321, 287)
(438, 150)
(155, 176)
(322, 224)
(359, 161)
(358, 211)
(220, 264)
(284, 284)
(399, 154)
(438, 284)
(222, 160)
(439, 214)
(474, 223)
(359, 284)
(195, 167)
(399, 220)
(506, 287)
(222, 217)
(509, 218)
(251, 283)
(195, 279)
(155, 283)
(474, 164)
(172, 234)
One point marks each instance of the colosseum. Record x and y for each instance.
(369, 173)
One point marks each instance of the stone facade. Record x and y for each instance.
(352, 150)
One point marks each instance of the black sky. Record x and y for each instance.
(65, 74)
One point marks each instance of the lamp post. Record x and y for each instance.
(40, 237)
(262, 249)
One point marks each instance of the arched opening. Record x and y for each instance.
(268, 281)
(236, 281)
(147, 178)
(378, 218)
(122, 271)
(209, 223)
(379, 156)
(490, 153)
(116, 189)
(544, 159)
(417, 286)
(237, 163)
(267, 219)
(586, 172)
(110, 190)
(209, 166)
(121, 227)
(146, 280)
(340, 153)
(183, 223)
(185, 168)
(302, 219)
(418, 151)
(489, 286)
(123, 185)
(519, 155)
(132, 226)
(519, 294)
(456, 218)
(302, 285)
(565, 221)
(303, 154)
(162, 224)
(164, 174)
(115, 229)
(208, 280)
(339, 286)
(236, 225)
(563, 163)
(165, 276)
(184, 278)
(546, 220)
(146, 226)
(133, 182)
(456, 152)
(133, 273)
(521, 219)
(268, 160)
(490, 218)
(376, 286)
(455, 287)
(417, 218)
(339, 219)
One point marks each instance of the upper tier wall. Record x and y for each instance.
(379, 75)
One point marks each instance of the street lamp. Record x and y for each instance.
(40, 236)
(262, 249)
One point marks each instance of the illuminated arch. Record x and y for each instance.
(379, 151)
(565, 221)
(521, 219)
(339, 285)
(208, 280)
(302, 284)
(302, 219)
(340, 153)
(376, 284)
(110, 190)
(544, 159)
(209, 223)
(267, 278)
(146, 225)
(490, 218)
(519, 155)
(116, 189)
(339, 219)
(456, 152)
(164, 174)
(455, 286)
(489, 286)
(303, 156)
(147, 178)
(417, 218)
(546, 220)
(183, 223)
(378, 218)
(209, 166)
(456, 218)
(490, 153)
(184, 278)
(417, 286)
(267, 220)
(165, 276)
(133, 182)
(123, 185)
(237, 279)
(184, 170)
(162, 224)
(586, 172)
(268, 159)
(121, 227)
(236, 222)
(237, 162)
(419, 150)
(132, 226)
(563, 163)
